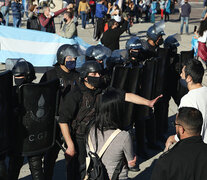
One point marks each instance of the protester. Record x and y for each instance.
(68, 29)
(194, 42)
(92, 5)
(101, 11)
(83, 10)
(33, 21)
(141, 8)
(2, 21)
(111, 37)
(202, 31)
(47, 19)
(5, 10)
(162, 8)
(167, 10)
(153, 10)
(107, 19)
(187, 159)
(191, 76)
(107, 120)
(185, 15)
(17, 10)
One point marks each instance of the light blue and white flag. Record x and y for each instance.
(39, 48)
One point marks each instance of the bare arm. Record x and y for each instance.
(66, 134)
(133, 98)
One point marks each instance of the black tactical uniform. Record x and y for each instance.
(67, 82)
(77, 110)
(22, 68)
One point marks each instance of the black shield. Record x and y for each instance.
(37, 123)
(126, 78)
(147, 87)
(5, 109)
(161, 75)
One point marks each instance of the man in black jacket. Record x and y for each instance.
(111, 37)
(187, 159)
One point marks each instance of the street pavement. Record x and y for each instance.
(171, 27)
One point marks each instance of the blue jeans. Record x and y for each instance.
(184, 19)
(16, 21)
(26, 6)
(83, 18)
(152, 18)
(5, 13)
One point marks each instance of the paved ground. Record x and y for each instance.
(140, 30)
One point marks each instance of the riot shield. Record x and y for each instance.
(126, 78)
(5, 109)
(161, 74)
(147, 85)
(36, 125)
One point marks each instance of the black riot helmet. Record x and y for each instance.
(24, 68)
(67, 50)
(155, 31)
(97, 52)
(171, 42)
(90, 67)
(133, 43)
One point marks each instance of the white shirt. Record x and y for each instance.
(203, 38)
(197, 98)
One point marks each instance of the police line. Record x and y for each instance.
(39, 48)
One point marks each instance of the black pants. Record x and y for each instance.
(51, 156)
(3, 169)
(167, 17)
(76, 166)
(99, 28)
(35, 166)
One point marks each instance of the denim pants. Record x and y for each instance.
(152, 18)
(16, 21)
(83, 18)
(5, 13)
(184, 19)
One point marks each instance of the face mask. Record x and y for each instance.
(95, 81)
(19, 81)
(65, 20)
(70, 64)
(160, 42)
(183, 83)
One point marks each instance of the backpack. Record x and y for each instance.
(95, 169)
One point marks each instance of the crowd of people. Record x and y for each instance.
(97, 112)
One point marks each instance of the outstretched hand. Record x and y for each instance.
(152, 102)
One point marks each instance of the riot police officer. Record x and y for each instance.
(135, 51)
(76, 112)
(100, 54)
(64, 70)
(24, 73)
(154, 39)
(173, 74)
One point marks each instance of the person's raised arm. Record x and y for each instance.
(136, 99)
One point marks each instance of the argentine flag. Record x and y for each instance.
(39, 48)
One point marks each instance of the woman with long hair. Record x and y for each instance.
(202, 32)
(109, 113)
